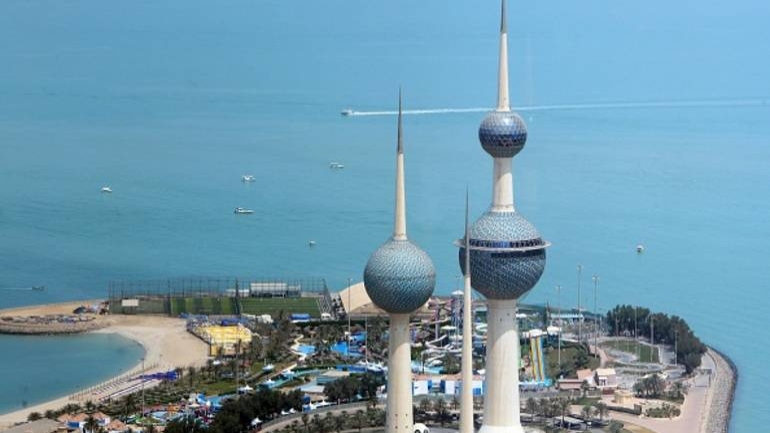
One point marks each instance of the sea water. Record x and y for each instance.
(37, 368)
(170, 103)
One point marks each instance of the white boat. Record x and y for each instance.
(242, 210)
(268, 367)
(336, 165)
(347, 112)
(311, 243)
(248, 178)
(640, 248)
(106, 189)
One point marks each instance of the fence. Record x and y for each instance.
(210, 295)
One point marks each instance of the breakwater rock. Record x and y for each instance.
(720, 402)
(50, 324)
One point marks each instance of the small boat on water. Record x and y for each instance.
(38, 288)
(347, 112)
(640, 248)
(106, 189)
(248, 178)
(243, 211)
(336, 165)
(311, 243)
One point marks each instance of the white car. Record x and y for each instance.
(421, 428)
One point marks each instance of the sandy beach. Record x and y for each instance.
(165, 340)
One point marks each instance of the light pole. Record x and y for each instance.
(579, 316)
(350, 308)
(596, 311)
(636, 336)
(143, 387)
(558, 302)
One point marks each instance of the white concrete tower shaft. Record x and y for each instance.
(399, 229)
(398, 418)
(399, 415)
(501, 401)
(502, 192)
(466, 396)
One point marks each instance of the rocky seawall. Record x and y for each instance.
(49, 324)
(720, 403)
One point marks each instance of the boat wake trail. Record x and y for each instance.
(757, 102)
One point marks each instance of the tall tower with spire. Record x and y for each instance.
(466, 367)
(399, 278)
(507, 256)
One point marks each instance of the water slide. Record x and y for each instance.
(536, 356)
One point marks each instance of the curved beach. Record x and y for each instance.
(166, 342)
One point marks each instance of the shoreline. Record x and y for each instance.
(719, 407)
(166, 343)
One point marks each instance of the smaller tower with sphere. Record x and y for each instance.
(507, 257)
(399, 278)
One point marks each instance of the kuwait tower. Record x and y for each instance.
(399, 278)
(507, 257)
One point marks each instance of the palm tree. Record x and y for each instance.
(531, 407)
(563, 404)
(91, 425)
(318, 424)
(129, 405)
(90, 407)
(360, 419)
(191, 370)
(601, 410)
(586, 412)
(340, 420)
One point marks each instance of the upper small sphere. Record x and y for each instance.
(502, 134)
(399, 277)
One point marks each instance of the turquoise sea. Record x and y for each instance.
(37, 368)
(169, 103)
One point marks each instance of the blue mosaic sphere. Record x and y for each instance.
(502, 134)
(399, 277)
(516, 265)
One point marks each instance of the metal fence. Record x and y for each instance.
(156, 296)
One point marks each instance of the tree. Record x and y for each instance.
(531, 407)
(34, 416)
(615, 426)
(441, 410)
(425, 405)
(360, 419)
(186, 424)
(586, 412)
(563, 408)
(191, 370)
(91, 425)
(339, 421)
(601, 410)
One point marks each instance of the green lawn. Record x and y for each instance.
(226, 306)
(203, 305)
(274, 306)
(631, 346)
(573, 358)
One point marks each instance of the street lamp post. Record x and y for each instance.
(579, 316)
(596, 311)
(143, 387)
(558, 301)
(347, 313)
